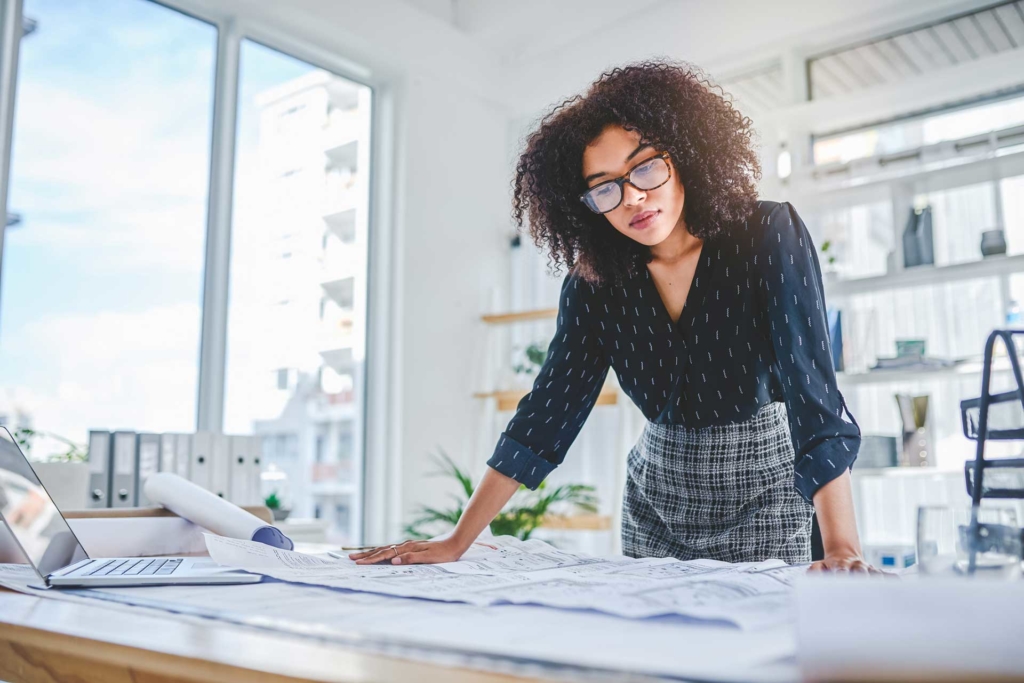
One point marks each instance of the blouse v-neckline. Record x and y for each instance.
(691, 303)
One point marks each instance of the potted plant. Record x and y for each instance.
(64, 470)
(529, 364)
(523, 514)
(274, 503)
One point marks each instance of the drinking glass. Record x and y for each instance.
(945, 541)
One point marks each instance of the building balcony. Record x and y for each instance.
(341, 221)
(339, 261)
(341, 291)
(337, 334)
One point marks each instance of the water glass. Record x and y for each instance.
(945, 541)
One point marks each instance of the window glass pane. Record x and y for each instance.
(959, 216)
(102, 275)
(853, 241)
(1011, 191)
(900, 136)
(297, 311)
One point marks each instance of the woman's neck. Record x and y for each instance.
(679, 245)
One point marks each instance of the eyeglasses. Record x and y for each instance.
(647, 175)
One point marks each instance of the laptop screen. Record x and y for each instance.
(30, 513)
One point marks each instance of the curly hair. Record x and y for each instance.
(675, 108)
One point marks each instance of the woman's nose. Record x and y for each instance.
(631, 195)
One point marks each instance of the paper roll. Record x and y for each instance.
(201, 507)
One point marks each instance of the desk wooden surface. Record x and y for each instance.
(55, 641)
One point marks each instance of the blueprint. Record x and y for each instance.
(508, 571)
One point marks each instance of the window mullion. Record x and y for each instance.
(213, 341)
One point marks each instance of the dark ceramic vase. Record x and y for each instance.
(993, 243)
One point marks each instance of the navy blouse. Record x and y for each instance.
(753, 330)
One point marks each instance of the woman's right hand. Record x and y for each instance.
(412, 552)
(487, 500)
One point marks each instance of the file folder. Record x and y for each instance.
(168, 444)
(240, 470)
(255, 468)
(220, 465)
(200, 453)
(99, 469)
(148, 463)
(183, 456)
(122, 485)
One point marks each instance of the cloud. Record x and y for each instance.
(110, 370)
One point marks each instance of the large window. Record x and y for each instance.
(297, 311)
(103, 254)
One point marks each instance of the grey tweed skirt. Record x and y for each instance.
(723, 492)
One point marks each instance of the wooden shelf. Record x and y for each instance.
(586, 522)
(520, 316)
(926, 275)
(1001, 364)
(509, 399)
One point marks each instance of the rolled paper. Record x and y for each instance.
(211, 512)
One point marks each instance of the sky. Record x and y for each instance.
(101, 283)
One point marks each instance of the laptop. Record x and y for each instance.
(42, 535)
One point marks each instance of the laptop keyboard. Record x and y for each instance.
(133, 567)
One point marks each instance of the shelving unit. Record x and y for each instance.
(508, 400)
(495, 402)
(918, 276)
(520, 316)
(883, 376)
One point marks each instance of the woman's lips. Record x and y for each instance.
(646, 219)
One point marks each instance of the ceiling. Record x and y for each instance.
(528, 28)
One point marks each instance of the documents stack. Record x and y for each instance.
(121, 461)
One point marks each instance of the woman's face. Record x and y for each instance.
(647, 216)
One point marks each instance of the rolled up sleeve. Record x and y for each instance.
(548, 419)
(826, 444)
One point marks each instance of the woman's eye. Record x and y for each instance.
(644, 168)
(604, 190)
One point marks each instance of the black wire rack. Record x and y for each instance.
(993, 417)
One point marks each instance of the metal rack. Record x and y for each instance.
(977, 419)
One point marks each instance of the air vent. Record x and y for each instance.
(919, 50)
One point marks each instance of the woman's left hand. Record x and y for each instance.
(844, 562)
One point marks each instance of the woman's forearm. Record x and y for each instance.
(833, 503)
(489, 497)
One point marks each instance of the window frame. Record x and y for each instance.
(379, 495)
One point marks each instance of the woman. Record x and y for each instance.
(707, 303)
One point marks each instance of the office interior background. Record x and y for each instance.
(291, 220)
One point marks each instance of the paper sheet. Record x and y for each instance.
(925, 628)
(749, 595)
(201, 507)
(531, 641)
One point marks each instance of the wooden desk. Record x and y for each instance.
(44, 640)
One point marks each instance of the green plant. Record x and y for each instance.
(520, 517)
(73, 452)
(826, 250)
(535, 356)
(272, 501)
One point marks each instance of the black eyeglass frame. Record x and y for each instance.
(623, 179)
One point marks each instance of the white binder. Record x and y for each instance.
(220, 465)
(255, 467)
(168, 452)
(148, 463)
(238, 458)
(200, 456)
(183, 455)
(99, 469)
(122, 485)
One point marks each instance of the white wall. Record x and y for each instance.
(453, 255)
